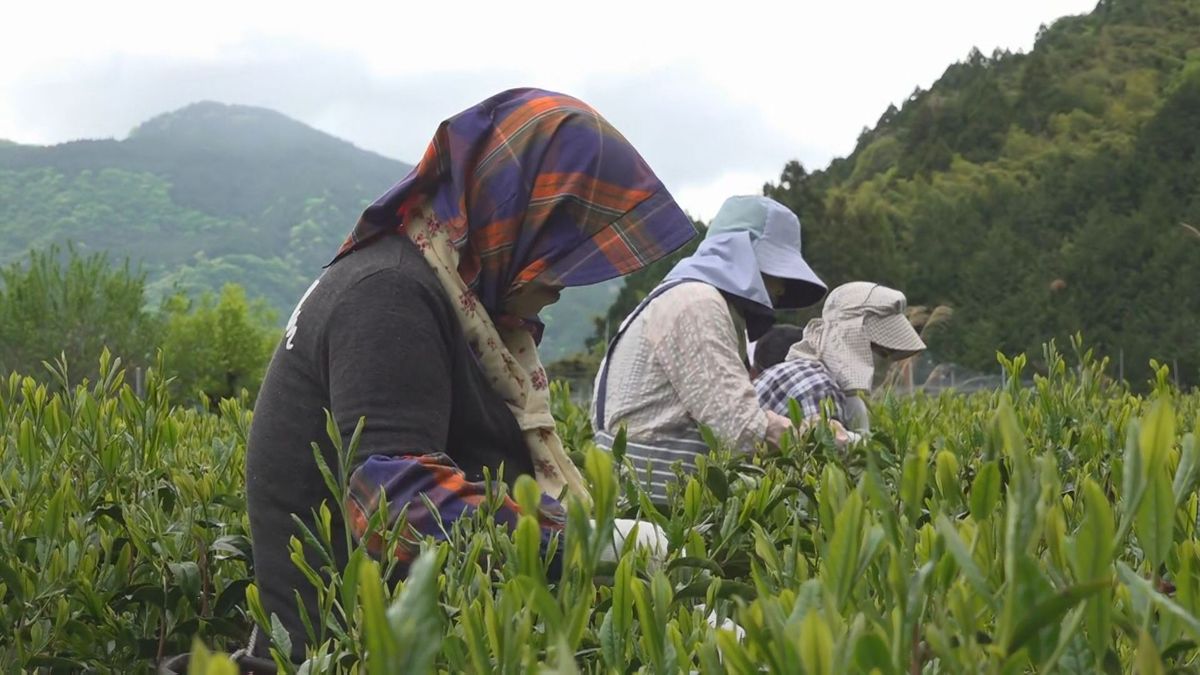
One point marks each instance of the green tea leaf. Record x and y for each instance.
(735, 656)
(1133, 481)
(946, 473)
(715, 479)
(653, 633)
(280, 639)
(985, 491)
(816, 645)
(764, 547)
(842, 554)
(832, 495)
(1051, 610)
(1139, 586)
(528, 495)
(1178, 648)
(231, 597)
(187, 576)
(383, 651)
(872, 653)
(1187, 472)
(414, 619)
(611, 645)
(1094, 540)
(913, 479)
(254, 602)
(1093, 552)
(1156, 518)
(622, 599)
(528, 540)
(1148, 661)
(962, 556)
(349, 588)
(204, 662)
(1157, 435)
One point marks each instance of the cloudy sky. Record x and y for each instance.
(716, 99)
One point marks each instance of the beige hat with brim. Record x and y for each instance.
(894, 332)
(857, 315)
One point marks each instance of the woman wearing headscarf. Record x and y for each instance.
(678, 362)
(835, 360)
(425, 324)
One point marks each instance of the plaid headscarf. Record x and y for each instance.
(534, 184)
(526, 185)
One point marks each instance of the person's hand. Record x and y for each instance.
(777, 426)
(843, 437)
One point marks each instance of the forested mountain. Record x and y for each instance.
(1038, 194)
(206, 195)
(211, 194)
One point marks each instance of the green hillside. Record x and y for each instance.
(1038, 194)
(216, 193)
(208, 194)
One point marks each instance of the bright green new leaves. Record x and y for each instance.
(844, 547)
(1156, 514)
(1092, 560)
(985, 491)
(1188, 471)
(407, 637)
(204, 662)
(1001, 532)
(913, 479)
(816, 646)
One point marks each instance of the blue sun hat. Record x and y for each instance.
(775, 239)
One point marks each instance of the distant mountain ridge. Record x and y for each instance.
(207, 194)
(214, 193)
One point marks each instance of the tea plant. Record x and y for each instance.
(122, 529)
(1044, 527)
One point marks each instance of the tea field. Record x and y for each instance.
(1049, 526)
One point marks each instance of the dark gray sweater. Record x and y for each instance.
(376, 336)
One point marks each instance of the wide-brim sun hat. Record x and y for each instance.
(882, 311)
(775, 232)
(856, 316)
(895, 333)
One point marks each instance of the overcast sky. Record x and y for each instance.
(716, 100)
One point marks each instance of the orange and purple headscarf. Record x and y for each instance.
(535, 185)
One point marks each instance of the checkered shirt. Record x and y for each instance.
(804, 380)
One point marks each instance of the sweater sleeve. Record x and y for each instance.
(697, 347)
(390, 361)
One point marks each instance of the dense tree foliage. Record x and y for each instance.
(218, 345)
(1037, 194)
(203, 196)
(60, 305)
(63, 305)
